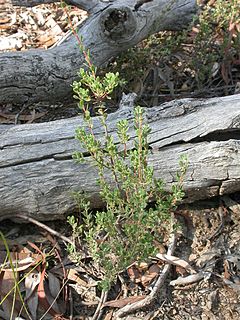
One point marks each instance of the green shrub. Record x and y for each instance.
(137, 209)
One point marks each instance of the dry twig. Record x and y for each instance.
(98, 313)
(38, 223)
(162, 277)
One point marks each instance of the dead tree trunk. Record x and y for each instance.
(112, 27)
(38, 174)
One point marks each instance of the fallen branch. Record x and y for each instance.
(111, 28)
(38, 174)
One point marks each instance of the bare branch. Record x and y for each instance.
(86, 5)
(30, 3)
(112, 27)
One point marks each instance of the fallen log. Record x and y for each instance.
(112, 27)
(38, 175)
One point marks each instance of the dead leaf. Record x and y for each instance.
(181, 271)
(10, 300)
(227, 274)
(73, 275)
(208, 256)
(55, 30)
(234, 286)
(21, 261)
(42, 295)
(151, 274)
(109, 315)
(134, 274)
(54, 284)
(175, 261)
(215, 69)
(190, 279)
(10, 43)
(235, 259)
(159, 246)
(31, 282)
(123, 302)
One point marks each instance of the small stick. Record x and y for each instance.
(39, 224)
(162, 277)
(98, 313)
(220, 227)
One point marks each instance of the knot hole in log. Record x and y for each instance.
(118, 24)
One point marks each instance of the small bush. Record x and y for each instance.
(137, 209)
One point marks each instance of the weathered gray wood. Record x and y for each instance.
(112, 27)
(29, 3)
(83, 4)
(38, 175)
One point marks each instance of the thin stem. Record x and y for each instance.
(140, 148)
(79, 40)
(112, 160)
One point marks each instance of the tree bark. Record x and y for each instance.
(112, 27)
(38, 175)
(87, 5)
